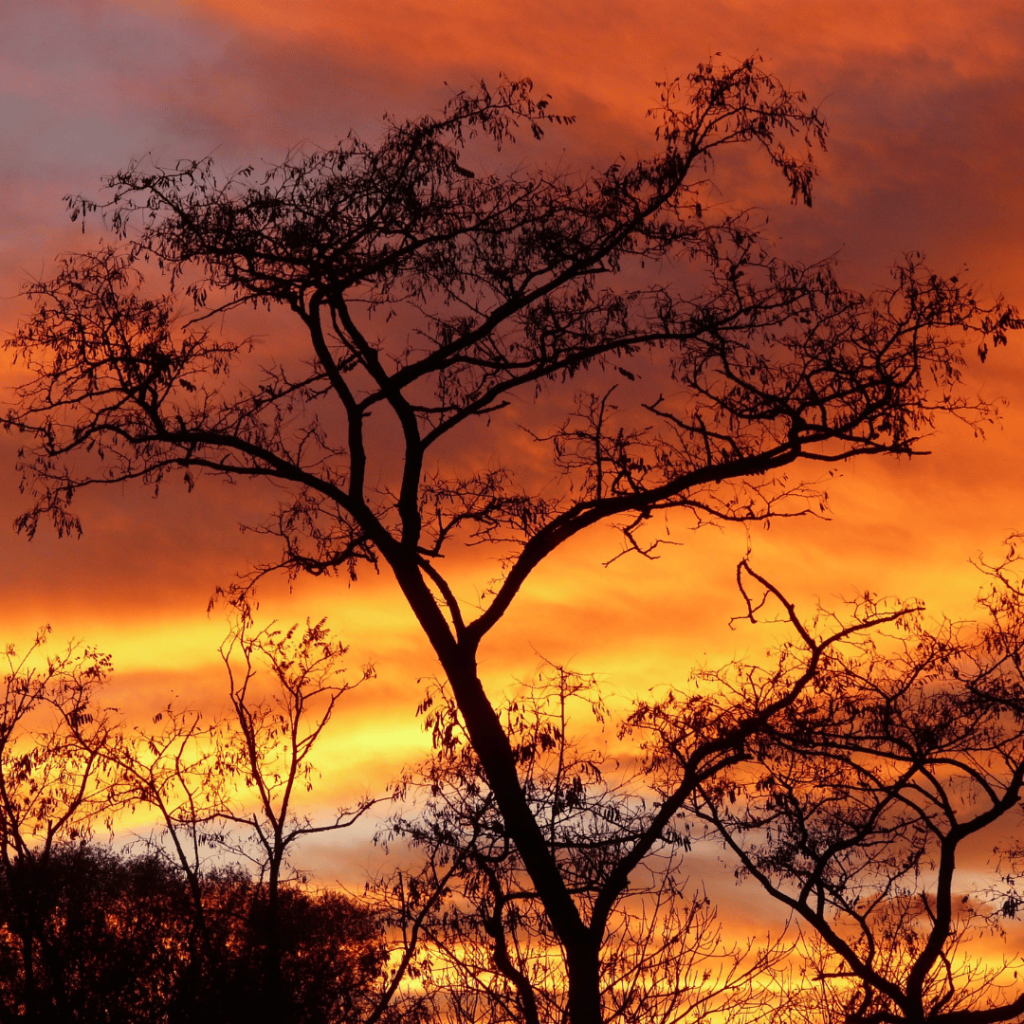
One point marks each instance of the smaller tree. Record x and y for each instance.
(268, 743)
(269, 740)
(53, 785)
(866, 807)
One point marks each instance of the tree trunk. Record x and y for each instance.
(582, 952)
(274, 990)
(583, 964)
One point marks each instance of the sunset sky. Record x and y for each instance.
(925, 104)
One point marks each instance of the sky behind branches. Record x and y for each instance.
(925, 103)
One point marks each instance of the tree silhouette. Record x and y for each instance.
(435, 304)
(53, 787)
(232, 785)
(268, 745)
(867, 809)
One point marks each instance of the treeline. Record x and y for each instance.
(852, 776)
(90, 935)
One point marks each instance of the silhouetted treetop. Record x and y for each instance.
(430, 296)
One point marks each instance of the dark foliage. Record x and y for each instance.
(110, 936)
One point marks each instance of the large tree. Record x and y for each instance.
(435, 306)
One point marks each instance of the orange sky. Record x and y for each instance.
(926, 107)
